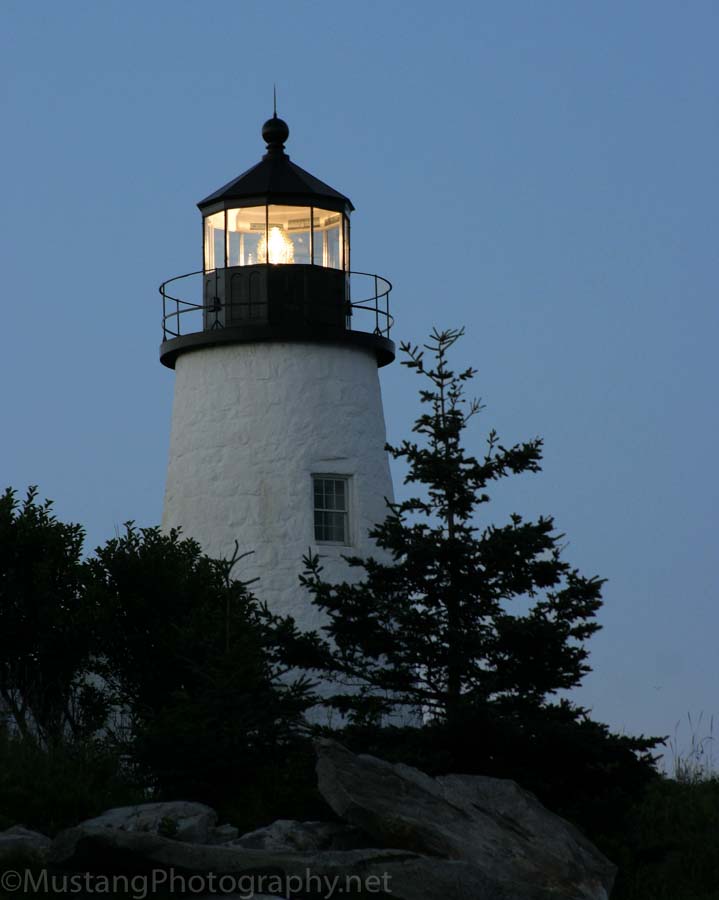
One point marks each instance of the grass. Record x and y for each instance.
(670, 848)
(696, 764)
(48, 790)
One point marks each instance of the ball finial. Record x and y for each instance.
(275, 132)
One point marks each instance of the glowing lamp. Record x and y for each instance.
(277, 246)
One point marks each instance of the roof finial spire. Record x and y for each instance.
(275, 131)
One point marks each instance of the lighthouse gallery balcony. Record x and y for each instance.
(271, 302)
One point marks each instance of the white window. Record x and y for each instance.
(331, 508)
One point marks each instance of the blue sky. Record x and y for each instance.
(542, 173)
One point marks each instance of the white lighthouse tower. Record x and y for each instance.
(278, 434)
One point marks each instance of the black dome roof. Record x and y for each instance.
(275, 179)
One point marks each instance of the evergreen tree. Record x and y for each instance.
(454, 616)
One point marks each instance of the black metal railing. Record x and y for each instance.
(182, 316)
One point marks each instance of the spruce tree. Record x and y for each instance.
(455, 615)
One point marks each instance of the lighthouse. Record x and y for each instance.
(278, 433)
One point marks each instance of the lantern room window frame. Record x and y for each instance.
(210, 244)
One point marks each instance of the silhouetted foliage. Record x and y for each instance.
(191, 656)
(48, 629)
(147, 665)
(466, 631)
(49, 788)
(576, 766)
(451, 616)
(666, 848)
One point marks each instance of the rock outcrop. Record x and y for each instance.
(20, 844)
(188, 822)
(405, 835)
(286, 835)
(491, 823)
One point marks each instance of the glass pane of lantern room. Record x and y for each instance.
(328, 234)
(288, 236)
(215, 241)
(299, 224)
(246, 235)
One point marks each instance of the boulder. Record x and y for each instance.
(304, 837)
(223, 834)
(20, 843)
(492, 824)
(393, 874)
(180, 820)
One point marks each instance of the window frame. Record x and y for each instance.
(347, 511)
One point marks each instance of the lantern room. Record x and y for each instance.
(276, 263)
(276, 234)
